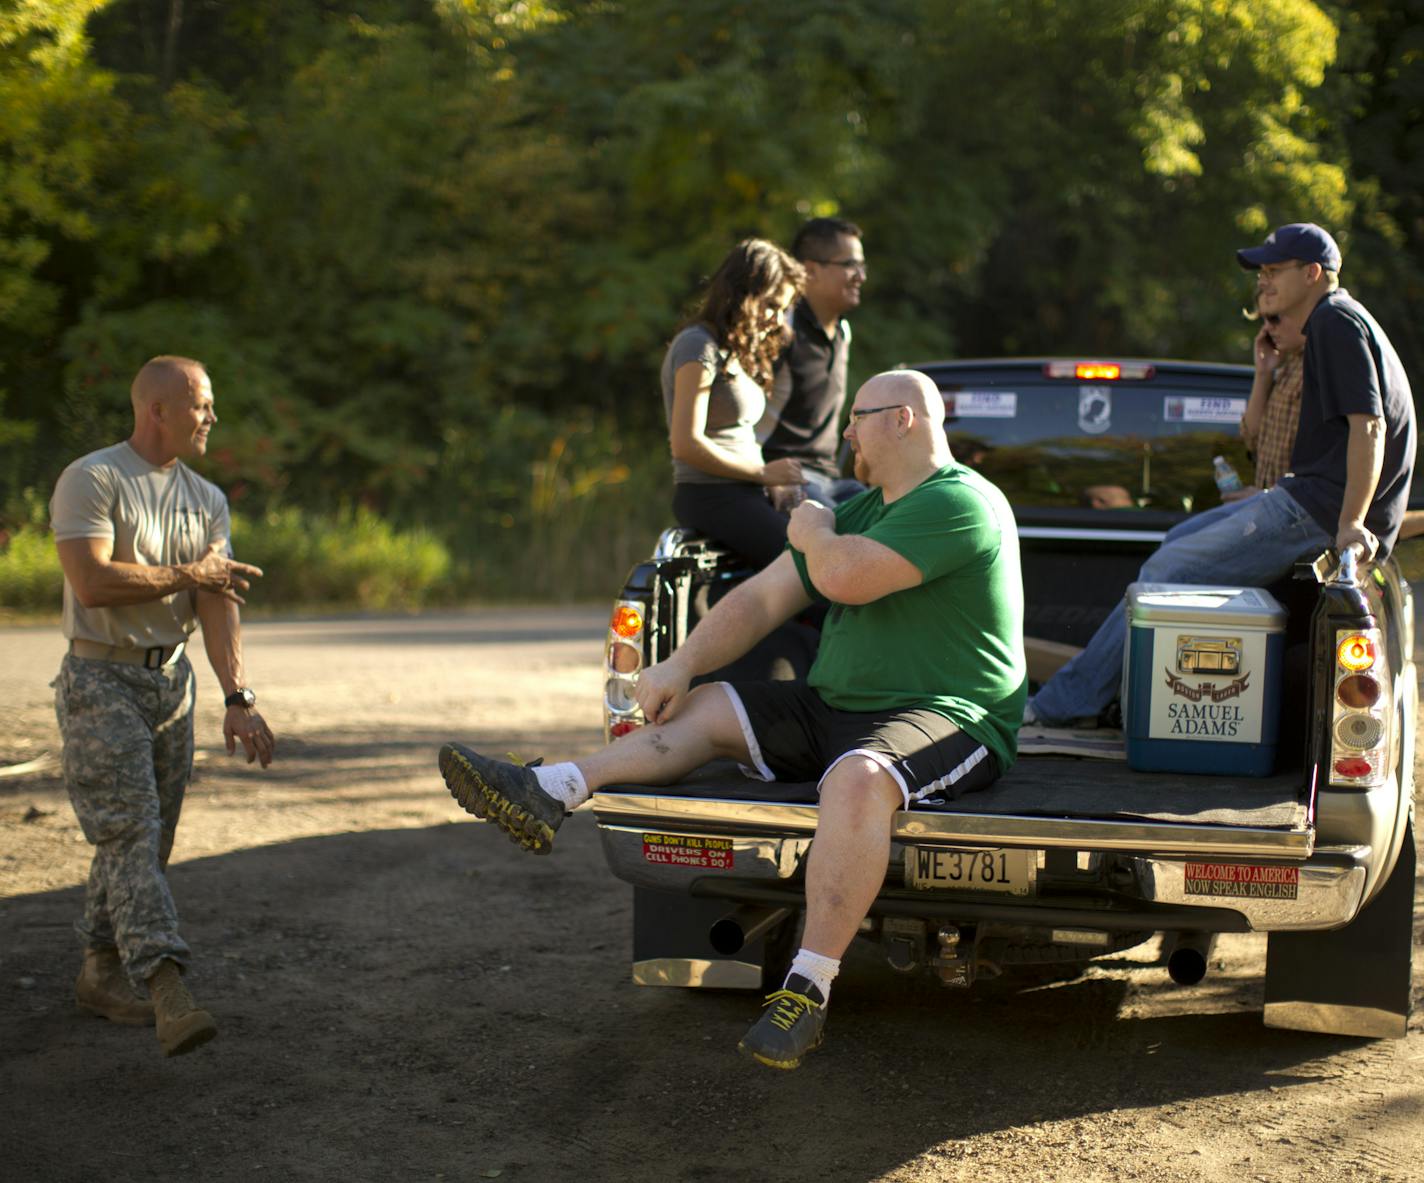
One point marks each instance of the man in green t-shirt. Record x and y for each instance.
(916, 693)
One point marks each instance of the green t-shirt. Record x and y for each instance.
(954, 644)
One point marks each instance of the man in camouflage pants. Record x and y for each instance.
(144, 544)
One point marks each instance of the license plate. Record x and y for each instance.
(1008, 871)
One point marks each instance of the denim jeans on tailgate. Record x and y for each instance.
(1246, 543)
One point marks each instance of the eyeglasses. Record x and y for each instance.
(1271, 270)
(855, 265)
(857, 416)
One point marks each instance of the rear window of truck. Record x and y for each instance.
(1095, 442)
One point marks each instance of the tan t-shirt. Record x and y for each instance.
(155, 517)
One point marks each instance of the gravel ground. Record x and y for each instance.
(401, 995)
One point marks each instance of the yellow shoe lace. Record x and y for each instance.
(534, 763)
(789, 1006)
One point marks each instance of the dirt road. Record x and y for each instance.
(402, 995)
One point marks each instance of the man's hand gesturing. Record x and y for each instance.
(217, 573)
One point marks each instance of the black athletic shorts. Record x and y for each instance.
(793, 735)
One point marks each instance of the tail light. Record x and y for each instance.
(1361, 711)
(622, 661)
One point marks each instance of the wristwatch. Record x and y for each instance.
(241, 698)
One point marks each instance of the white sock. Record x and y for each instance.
(819, 971)
(563, 782)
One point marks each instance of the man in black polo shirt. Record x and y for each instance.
(802, 419)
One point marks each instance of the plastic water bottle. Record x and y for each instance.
(1226, 479)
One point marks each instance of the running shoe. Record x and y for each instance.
(790, 1026)
(503, 793)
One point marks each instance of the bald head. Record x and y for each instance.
(172, 408)
(910, 388)
(897, 430)
(165, 379)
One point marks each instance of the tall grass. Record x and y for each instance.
(30, 576)
(353, 559)
(533, 509)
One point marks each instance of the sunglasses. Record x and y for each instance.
(857, 416)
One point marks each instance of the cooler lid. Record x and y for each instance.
(1204, 603)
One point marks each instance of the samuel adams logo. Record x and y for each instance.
(1207, 689)
(1195, 717)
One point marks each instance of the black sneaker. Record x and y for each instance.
(506, 794)
(790, 1025)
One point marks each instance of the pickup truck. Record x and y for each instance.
(1066, 858)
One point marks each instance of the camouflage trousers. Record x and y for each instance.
(128, 755)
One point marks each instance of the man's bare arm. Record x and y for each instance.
(99, 581)
(847, 568)
(740, 619)
(1364, 460)
(222, 638)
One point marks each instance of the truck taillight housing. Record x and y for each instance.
(622, 661)
(1360, 711)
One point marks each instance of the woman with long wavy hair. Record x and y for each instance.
(715, 378)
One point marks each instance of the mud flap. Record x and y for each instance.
(672, 945)
(1354, 980)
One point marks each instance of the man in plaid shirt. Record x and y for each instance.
(1273, 411)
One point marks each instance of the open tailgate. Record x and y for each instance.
(1044, 802)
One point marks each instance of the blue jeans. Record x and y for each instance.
(1247, 543)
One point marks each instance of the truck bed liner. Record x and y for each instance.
(1057, 788)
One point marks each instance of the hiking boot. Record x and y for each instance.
(103, 989)
(181, 1025)
(506, 794)
(790, 1025)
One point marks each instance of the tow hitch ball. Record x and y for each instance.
(907, 949)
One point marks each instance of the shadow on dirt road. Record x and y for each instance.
(428, 1004)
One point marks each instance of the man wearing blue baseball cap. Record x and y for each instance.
(1350, 468)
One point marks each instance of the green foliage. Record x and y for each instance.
(536, 504)
(30, 576)
(1093, 167)
(351, 559)
(265, 430)
(1378, 93)
(431, 250)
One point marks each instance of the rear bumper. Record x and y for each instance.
(1195, 885)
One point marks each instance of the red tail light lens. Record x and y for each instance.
(1358, 691)
(1353, 766)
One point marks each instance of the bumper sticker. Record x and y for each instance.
(1247, 881)
(688, 850)
(982, 404)
(1094, 409)
(1184, 409)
